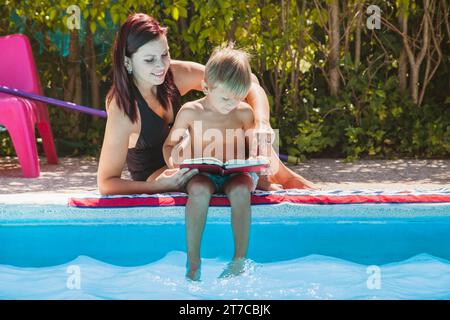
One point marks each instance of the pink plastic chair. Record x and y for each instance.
(18, 115)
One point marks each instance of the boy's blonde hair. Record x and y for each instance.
(231, 68)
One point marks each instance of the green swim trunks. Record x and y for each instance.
(219, 181)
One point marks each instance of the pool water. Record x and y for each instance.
(296, 252)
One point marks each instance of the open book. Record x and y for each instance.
(215, 166)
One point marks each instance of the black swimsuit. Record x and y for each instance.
(147, 157)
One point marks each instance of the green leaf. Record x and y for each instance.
(197, 26)
(102, 23)
(52, 13)
(115, 17)
(380, 93)
(93, 26)
(175, 13)
(93, 12)
(183, 12)
(192, 46)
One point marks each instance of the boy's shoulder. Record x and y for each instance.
(244, 106)
(245, 111)
(193, 105)
(191, 108)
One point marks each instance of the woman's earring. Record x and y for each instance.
(129, 69)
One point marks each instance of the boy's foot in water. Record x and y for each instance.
(193, 271)
(234, 268)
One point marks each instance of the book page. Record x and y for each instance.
(241, 163)
(205, 160)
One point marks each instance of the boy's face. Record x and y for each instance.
(222, 100)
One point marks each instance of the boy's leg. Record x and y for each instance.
(200, 188)
(238, 189)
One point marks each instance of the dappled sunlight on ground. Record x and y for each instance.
(377, 174)
(70, 175)
(80, 175)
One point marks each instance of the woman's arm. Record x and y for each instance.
(247, 118)
(188, 76)
(113, 158)
(257, 99)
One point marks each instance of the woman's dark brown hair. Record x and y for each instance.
(136, 31)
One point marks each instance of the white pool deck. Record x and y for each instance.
(74, 177)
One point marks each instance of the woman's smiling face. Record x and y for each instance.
(151, 62)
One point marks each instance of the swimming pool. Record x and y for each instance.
(370, 251)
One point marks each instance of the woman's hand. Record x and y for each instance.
(173, 179)
(262, 138)
(265, 184)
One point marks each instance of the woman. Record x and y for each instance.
(142, 104)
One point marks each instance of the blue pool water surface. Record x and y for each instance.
(295, 252)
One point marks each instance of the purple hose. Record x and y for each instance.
(56, 102)
(290, 159)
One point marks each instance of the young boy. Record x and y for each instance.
(210, 120)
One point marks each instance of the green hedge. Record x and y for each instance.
(288, 42)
